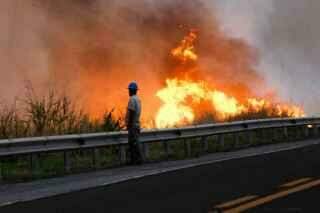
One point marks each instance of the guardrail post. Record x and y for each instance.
(249, 135)
(205, 145)
(34, 163)
(236, 139)
(265, 136)
(316, 130)
(123, 154)
(275, 134)
(295, 134)
(1, 171)
(167, 149)
(285, 132)
(221, 140)
(306, 131)
(67, 161)
(95, 158)
(145, 149)
(187, 147)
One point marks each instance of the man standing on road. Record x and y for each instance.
(133, 124)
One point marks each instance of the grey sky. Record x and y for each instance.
(286, 33)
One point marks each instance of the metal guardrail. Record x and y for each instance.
(65, 143)
(95, 140)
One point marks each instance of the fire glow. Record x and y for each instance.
(182, 98)
(189, 71)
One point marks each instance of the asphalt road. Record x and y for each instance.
(287, 181)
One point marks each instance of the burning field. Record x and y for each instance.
(186, 98)
(187, 68)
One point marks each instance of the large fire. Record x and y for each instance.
(184, 99)
(188, 69)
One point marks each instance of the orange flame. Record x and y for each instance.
(182, 98)
(179, 97)
(185, 51)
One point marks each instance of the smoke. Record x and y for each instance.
(22, 55)
(286, 34)
(93, 48)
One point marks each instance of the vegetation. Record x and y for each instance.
(263, 113)
(260, 114)
(51, 114)
(54, 114)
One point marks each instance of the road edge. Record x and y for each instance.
(23, 192)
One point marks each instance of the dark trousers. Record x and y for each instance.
(134, 146)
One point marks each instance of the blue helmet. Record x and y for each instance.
(133, 86)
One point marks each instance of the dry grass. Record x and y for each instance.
(50, 114)
(263, 113)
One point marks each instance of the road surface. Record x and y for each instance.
(286, 181)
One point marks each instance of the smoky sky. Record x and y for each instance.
(292, 40)
(49, 41)
(286, 33)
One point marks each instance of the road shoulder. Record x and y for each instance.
(21, 192)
